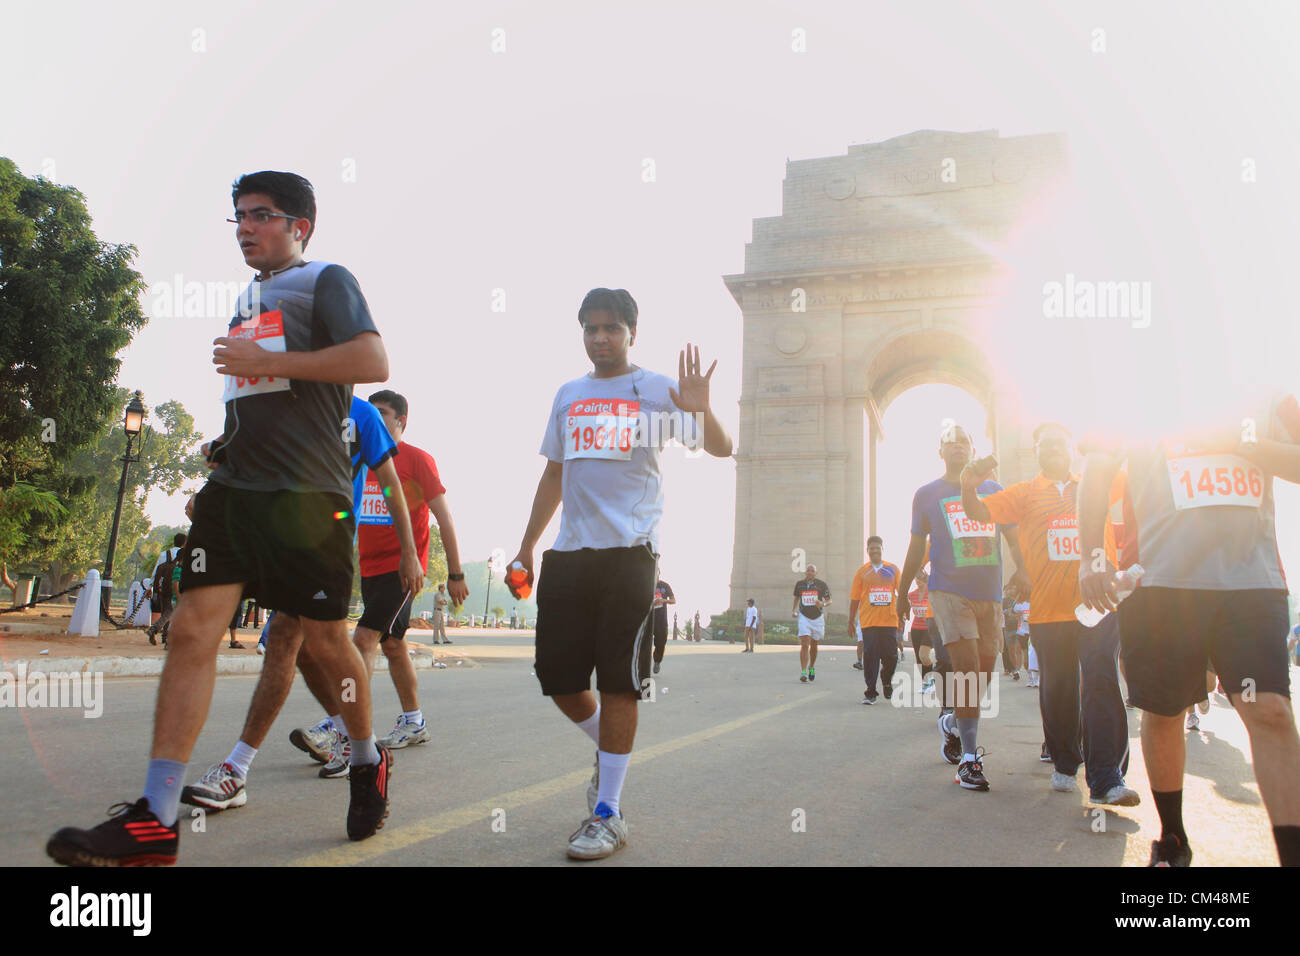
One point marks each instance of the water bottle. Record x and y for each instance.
(519, 581)
(1125, 582)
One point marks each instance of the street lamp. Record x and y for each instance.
(487, 596)
(133, 425)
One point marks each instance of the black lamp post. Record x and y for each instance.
(133, 425)
(488, 594)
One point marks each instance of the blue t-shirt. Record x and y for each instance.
(965, 555)
(373, 445)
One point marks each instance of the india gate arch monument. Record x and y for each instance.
(878, 275)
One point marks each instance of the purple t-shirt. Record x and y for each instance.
(965, 555)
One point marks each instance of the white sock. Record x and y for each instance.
(949, 724)
(613, 768)
(341, 727)
(969, 758)
(364, 753)
(414, 716)
(591, 726)
(241, 758)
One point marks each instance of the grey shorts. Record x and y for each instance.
(962, 619)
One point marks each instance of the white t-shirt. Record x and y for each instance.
(751, 617)
(1023, 610)
(609, 434)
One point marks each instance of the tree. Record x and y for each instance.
(86, 482)
(20, 504)
(68, 304)
(437, 572)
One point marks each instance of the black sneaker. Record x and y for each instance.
(369, 805)
(971, 773)
(951, 750)
(857, 665)
(812, 674)
(1170, 851)
(132, 836)
(656, 667)
(1044, 756)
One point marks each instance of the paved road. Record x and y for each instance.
(732, 753)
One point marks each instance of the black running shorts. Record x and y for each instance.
(594, 610)
(1169, 638)
(921, 637)
(387, 609)
(292, 551)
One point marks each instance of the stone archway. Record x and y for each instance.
(879, 275)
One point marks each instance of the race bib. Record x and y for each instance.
(374, 509)
(880, 597)
(973, 542)
(1063, 538)
(809, 598)
(267, 330)
(1213, 480)
(603, 428)
(920, 608)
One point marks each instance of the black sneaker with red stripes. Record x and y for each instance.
(132, 836)
(369, 805)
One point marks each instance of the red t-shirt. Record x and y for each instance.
(377, 542)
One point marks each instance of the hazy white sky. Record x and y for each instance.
(521, 170)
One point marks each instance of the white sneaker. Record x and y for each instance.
(1193, 722)
(593, 788)
(598, 837)
(317, 742)
(261, 649)
(1120, 796)
(1063, 783)
(439, 664)
(340, 762)
(405, 734)
(219, 789)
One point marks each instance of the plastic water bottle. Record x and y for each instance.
(1125, 583)
(519, 580)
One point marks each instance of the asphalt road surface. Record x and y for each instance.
(736, 762)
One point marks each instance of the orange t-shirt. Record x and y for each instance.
(875, 593)
(1049, 540)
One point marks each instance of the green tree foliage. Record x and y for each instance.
(68, 304)
(86, 482)
(20, 505)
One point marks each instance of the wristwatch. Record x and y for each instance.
(455, 577)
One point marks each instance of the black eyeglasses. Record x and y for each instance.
(259, 216)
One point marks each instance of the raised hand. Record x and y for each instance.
(692, 392)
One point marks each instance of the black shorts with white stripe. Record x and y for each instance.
(594, 611)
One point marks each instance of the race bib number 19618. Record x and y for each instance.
(267, 330)
(1214, 480)
(602, 428)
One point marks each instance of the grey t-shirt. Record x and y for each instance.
(288, 434)
(609, 433)
(1205, 518)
